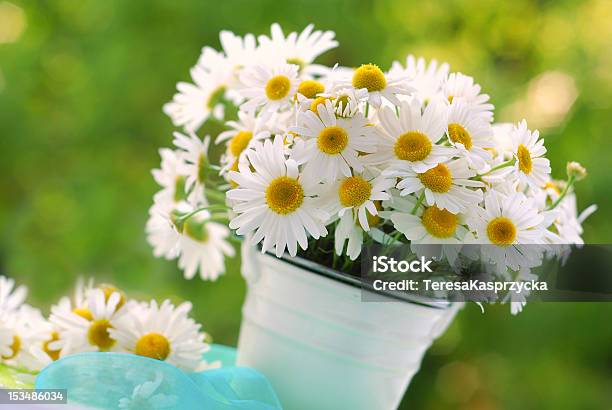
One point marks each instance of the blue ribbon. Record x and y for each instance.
(115, 380)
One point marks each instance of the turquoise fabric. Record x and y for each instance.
(116, 381)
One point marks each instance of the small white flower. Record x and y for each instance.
(462, 86)
(299, 49)
(409, 141)
(171, 175)
(145, 396)
(274, 201)
(530, 167)
(194, 152)
(447, 185)
(470, 134)
(427, 79)
(195, 103)
(329, 146)
(356, 195)
(270, 88)
(202, 247)
(87, 329)
(511, 228)
(161, 232)
(378, 84)
(163, 332)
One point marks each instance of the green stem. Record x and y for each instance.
(185, 217)
(215, 195)
(568, 186)
(508, 163)
(418, 203)
(367, 109)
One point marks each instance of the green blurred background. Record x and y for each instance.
(81, 89)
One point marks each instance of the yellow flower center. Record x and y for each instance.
(354, 191)
(524, 159)
(239, 142)
(332, 140)
(550, 185)
(439, 222)
(153, 345)
(460, 135)
(84, 313)
(501, 231)
(438, 179)
(234, 167)
(98, 334)
(108, 290)
(412, 146)
(450, 99)
(53, 354)
(369, 76)
(278, 87)
(314, 105)
(284, 195)
(15, 348)
(310, 88)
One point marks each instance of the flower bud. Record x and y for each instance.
(575, 170)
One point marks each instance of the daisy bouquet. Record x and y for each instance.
(98, 317)
(321, 161)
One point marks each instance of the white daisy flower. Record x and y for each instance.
(470, 134)
(194, 152)
(427, 79)
(447, 185)
(357, 195)
(568, 223)
(378, 84)
(530, 166)
(195, 103)
(87, 329)
(275, 201)
(161, 232)
(243, 133)
(463, 86)
(202, 247)
(428, 226)
(27, 328)
(409, 142)
(299, 49)
(171, 175)
(329, 146)
(273, 88)
(163, 332)
(506, 224)
(11, 297)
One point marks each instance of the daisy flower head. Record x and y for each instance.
(86, 329)
(242, 133)
(11, 297)
(161, 232)
(427, 79)
(511, 226)
(299, 49)
(195, 165)
(170, 176)
(329, 145)
(238, 52)
(356, 196)
(25, 328)
(409, 142)
(463, 86)
(274, 201)
(193, 104)
(272, 88)
(202, 246)
(162, 332)
(530, 166)
(447, 185)
(378, 84)
(470, 134)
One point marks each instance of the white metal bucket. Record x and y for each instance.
(321, 346)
